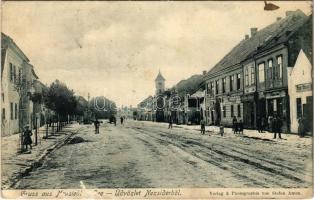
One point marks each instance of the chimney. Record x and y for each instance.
(204, 72)
(246, 36)
(278, 18)
(253, 31)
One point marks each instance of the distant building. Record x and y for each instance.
(145, 109)
(195, 107)
(160, 99)
(39, 109)
(27, 115)
(160, 84)
(301, 92)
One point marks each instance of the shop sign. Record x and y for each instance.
(304, 87)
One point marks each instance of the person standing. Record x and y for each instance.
(263, 124)
(234, 125)
(114, 120)
(202, 126)
(121, 120)
(301, 128)
(277, 123)
(259, 124)
(270, 123)
(170, 123)
(240, 127)
(96, 124)
(27, 137)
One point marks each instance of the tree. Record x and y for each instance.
(103, 107)
(81, 106)
(60, 99)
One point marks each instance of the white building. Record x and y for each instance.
(12, 62)
(17, 76)
(300, 92)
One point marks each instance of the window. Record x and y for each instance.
(208, 88)
(3, 113)
(11, 111)
(299, 107)
(14, 73)
(270, 69)
(231, 108)
(261, 71)
(238, 81)
(217, 87)
(252, 74)
(279, 62)
(16, 111)
(239, 110)
(11, 72)
(246, 75)
(20, 75)
(231, 78)
(224, 111)
(223, 85)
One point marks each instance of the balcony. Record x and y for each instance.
(274, 83)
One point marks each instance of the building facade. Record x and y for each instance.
(301, 93)
(12, 67)
(251, 81)
(17, 87)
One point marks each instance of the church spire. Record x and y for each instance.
(160, 77)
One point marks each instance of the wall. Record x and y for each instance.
(263, 58)
(9, 93)
(299, 74)
(228, 98)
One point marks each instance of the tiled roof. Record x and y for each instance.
(273, 34)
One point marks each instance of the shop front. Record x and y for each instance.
(249, 110)
(277, 103)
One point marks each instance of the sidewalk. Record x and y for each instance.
(15, 165)
(254, 134)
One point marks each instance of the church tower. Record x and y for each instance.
(160, 84)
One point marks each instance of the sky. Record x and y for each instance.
(115, 49)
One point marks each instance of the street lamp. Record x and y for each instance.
(270, 6)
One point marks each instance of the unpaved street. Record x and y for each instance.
(140, 154)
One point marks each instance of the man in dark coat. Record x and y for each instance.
(27, 137)
(96, 124)
(240, 127)
(234, 125)
(170, 123)
(202, 126)
(263, 124)
(114, 120)
(121, 120)
(277, 123)
(259, 125)
(301, 128)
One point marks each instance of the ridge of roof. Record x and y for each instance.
(10, 40)
(275, 31)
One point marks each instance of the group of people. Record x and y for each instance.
(97, 123)
(273, 124)
(237, 127)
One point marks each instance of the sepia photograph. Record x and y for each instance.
(156, 99)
